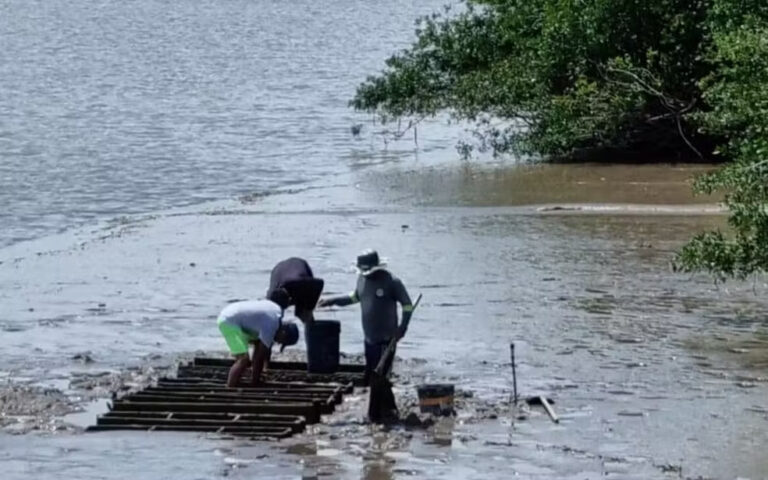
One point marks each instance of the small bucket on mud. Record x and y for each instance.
(436, 398)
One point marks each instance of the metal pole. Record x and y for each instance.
(514, 373)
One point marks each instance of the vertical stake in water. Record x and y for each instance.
(514, 373)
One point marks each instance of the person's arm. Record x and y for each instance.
(339, 301)
(260, 355)
(255, 342)
(402, 297)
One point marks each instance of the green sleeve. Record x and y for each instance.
(344, 300)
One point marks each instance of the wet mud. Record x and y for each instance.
(108, 383)
(649, 370)
(24, 409)
(583, 187)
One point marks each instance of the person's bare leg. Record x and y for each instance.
(238, 368)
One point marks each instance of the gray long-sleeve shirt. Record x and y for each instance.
(378, 294)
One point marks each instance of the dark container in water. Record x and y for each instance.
(436, 398)
(322, 337)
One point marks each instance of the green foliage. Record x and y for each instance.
(557, 77)
(552, 77)
(737, 93)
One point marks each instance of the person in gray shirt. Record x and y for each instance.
(378, 292)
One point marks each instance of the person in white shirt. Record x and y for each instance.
(258, 322)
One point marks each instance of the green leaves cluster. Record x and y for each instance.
(559, 77)
(552, 77)
(736, 93)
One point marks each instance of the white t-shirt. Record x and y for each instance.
(256, 317)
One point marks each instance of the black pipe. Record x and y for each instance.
(514, 373)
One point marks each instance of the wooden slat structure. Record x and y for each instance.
(197, 399)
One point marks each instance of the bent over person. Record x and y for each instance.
(258, 322)
(378, 291)
(295, 276)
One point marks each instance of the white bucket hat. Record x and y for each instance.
(369, 262)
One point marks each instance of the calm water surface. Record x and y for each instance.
(109, 107)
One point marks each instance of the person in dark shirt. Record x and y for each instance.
(378, 292)
(295, 276)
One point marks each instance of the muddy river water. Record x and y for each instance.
(153, 175)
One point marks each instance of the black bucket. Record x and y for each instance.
(436, 398)
(322, 337)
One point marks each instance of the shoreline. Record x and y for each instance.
(631, 209)
(537, 188)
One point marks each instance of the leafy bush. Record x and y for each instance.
(737, 93)
(557, 78)
(554, 77)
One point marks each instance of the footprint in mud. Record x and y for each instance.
(635, 365)
(83, 357)
(628, 340)
(757, 409)
(620, 392)
(56, 321)
(746, 384)
(631, 413)
(99, 308)
(435, 286)
(654, 397)
(596, 306)
(565, 386)
(5, 327)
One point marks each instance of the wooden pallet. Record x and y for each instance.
(197, 399)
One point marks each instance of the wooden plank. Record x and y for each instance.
(220, 374)
(221, 416)
(234, 395)
(324, 393)
(141, 420)
(346, 386)
(255, 432)
(309, 411)
(301, 395)
(337, 396)
(276, 365)
(325, 406)
(295, 395)
(307, 388)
